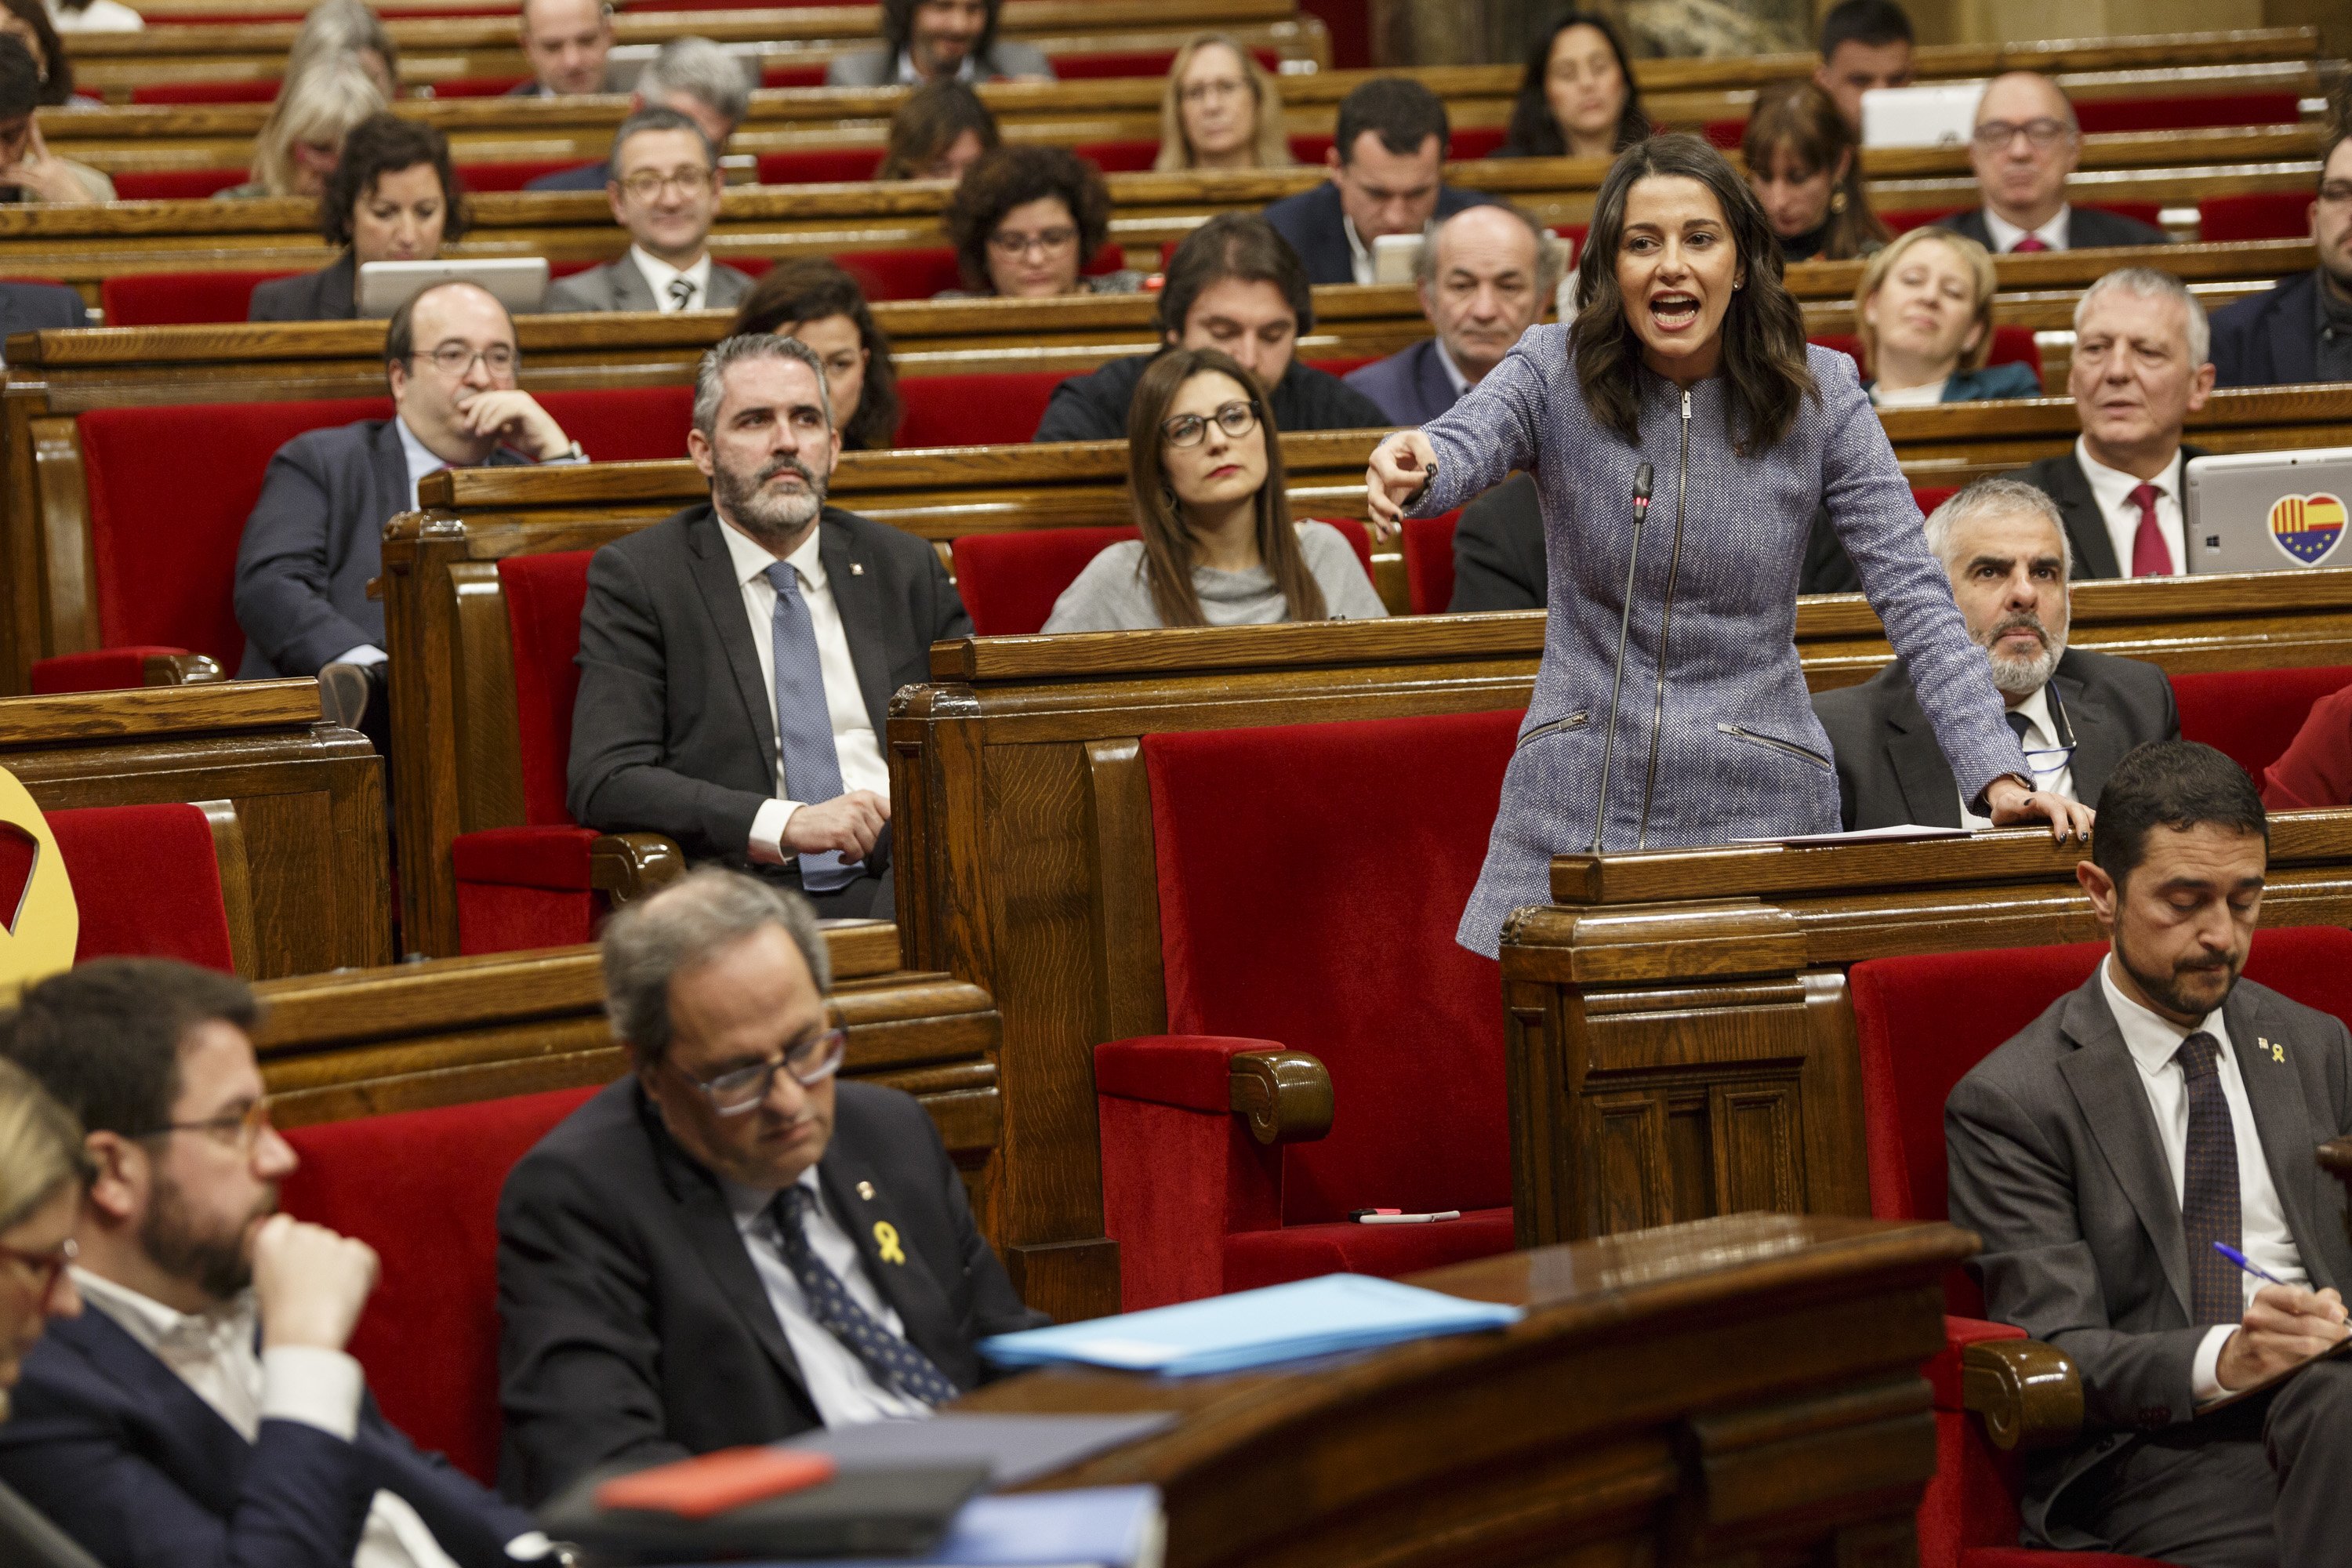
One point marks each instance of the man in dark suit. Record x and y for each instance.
(692, 77)
(2140, 369)
(202, 1409)
(39, 307)
(26, 1538)
(2301, 329)
(737, 660)
(1485, 277)
(2004, 548)
(941, 40)
(665, 191)
(315, 538)
(1388, 165)
(566, 42)
(2162, 1108)
(2026, 142)
(729, 1247)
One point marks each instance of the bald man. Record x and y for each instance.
(2025, 145)
(1484, 277)
(566, 42)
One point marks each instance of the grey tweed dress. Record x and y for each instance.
(1715, 738)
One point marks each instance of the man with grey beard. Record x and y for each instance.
(2003, 545)
(737, 660)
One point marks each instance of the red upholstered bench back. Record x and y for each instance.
(2261, 215)
(625, 424)
(819, 165)
(1428, 548)
(919, 272)
(2187, 112)
(2010, 345)
(178, 299)
(1129, 157)
(422, 1188)
(1310, 877)
(2253, 714)
(1009, 581)
(1930, 498)
(545, 594)
(146, 881)
(985, 410)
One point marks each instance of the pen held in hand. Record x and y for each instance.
(2248, 1264)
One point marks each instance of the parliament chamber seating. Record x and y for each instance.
(2010, 345)
(2253, 714)
(1922, 1022)
(1310, 876)
(1009, 581)
(2258, 214)
(149, 882)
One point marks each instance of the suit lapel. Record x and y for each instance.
(2094, 553)
(338, 289)
(630, 289)
(2275, 1094)
(1931, 795)
(2098, 740)
(2104, 1081)
(388, 471)
(2294, 351)
(722, 599)
(203, 1454)
(1435, 391)
(858, 596)
(902, 1274)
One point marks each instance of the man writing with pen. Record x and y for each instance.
(2139, 1164)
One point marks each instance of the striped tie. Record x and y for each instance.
(805, 724)
(2209, 1205)
(681, 292)
(892, 1360)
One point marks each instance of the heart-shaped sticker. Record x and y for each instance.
(2307, 528)
(38, 937)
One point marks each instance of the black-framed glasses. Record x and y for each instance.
(1046, 241)
(242, 1128)
(811, 1060)
(2042, 135)
(44, 1266)
(455, 360)
(1235, 419)
(647, 186)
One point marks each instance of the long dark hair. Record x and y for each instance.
(1534, 132)
(57, 75)
(899, 30)
(1763, 330)
(928, 124)
(1167, 545)
(1801, 119)
(810, 288)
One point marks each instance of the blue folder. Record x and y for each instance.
(1087, 1526)
(1252, 1328)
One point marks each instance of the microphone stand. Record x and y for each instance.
(1624, 625)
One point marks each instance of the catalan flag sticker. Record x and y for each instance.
(2307, 527)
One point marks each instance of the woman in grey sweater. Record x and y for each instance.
(1218, 547)
(1686, 376)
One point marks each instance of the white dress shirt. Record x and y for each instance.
(2112, 488)
(2263, 1237)
(1460, 382)
(659, 275)
(853, 740)
(845, 1393)
(966, 73)
(2053, 770)
(1359, 254)
(213, 1352)
(2005, 234)
(1926, 396)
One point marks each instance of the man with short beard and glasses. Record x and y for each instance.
(202, 1411)
(2004, 547)
(737, 660)
(2161, 1110)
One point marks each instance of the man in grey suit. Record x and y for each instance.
(2003, 545)
(1485, 277)
(2025, 144)
(665, 191)
(737, 660)
(566, 42)
(939, 40)
(2162, 1108)
(314, 540)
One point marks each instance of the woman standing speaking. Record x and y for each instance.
(1670, 709)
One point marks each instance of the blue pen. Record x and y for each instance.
(2248, 1264)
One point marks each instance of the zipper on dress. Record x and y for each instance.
(1666, 625)
(1573, 722)
(1742, 732)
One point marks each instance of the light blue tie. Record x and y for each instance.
(805, 724)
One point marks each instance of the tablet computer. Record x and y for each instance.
(2267, 511)
(519, 283)
(1944, 115)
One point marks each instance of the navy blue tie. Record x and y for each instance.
(891, 1359)
(805, 724)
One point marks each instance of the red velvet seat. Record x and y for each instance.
(2253, 714)
(2260, 215)
(1134, 63)
(146, 881)
(175, 299)
(1127, 157)
(2010, 345)
(818, 166)
(792, 75)
(922, 271)
(1932, 496)
(1009, 581)
(206, 93)
(1290, 920)
(1428, 549)
(2187, 112)
(422, 1188)
(987, 409)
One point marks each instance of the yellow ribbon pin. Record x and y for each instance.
(886, 1237)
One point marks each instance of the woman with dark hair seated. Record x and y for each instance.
(27, 21)
(1804, 163)
(1670, 709)
(1026, 221)
(1204, 465)
(1577, 99)
(939, 132)
(811, 299)
(393, 197)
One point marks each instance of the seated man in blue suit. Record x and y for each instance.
(202, 1411)
(1387, 169)
(2301, 330)
(1485, 275)
(39, 306)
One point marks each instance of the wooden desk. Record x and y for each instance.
(309, 798)
(1739, 1391)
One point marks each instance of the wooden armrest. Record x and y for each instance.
(1285, 1096)
(2030, 1395)
(180, 669)
(625, 866)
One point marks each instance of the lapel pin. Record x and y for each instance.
(865, 1191)
(857, 568)
(2278, 1053)
(885, 1241)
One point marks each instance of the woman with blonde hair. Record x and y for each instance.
(1923, 312)
(1222, 109)
(1218, 549)
(41, 1171)
(302, 140)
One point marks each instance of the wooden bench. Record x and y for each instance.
(307, 798)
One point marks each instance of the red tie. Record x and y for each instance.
(2149, 556)
(2031, 242)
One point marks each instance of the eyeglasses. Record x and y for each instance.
(2042, 135)
(44, 1266)
(809, 1061)
(242, 1128)
(1050, 240)
(1235, 419)
(644, 186)
(1217, 86)
(456, 359)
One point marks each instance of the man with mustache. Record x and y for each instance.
(737, 660)
(2162, 1108)
(202, 1411)
(2005, 550)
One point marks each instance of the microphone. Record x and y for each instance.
(1642, 478)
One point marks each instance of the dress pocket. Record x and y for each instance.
(1774, 743)
(1575, 721)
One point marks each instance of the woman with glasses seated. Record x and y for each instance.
(41, 1175)
(1221, 110)
(1923, 312)
(1028, 222)
(393, 197)
(1218, 547)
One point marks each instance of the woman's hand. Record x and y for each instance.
(1400, 470)
(2013, 802)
